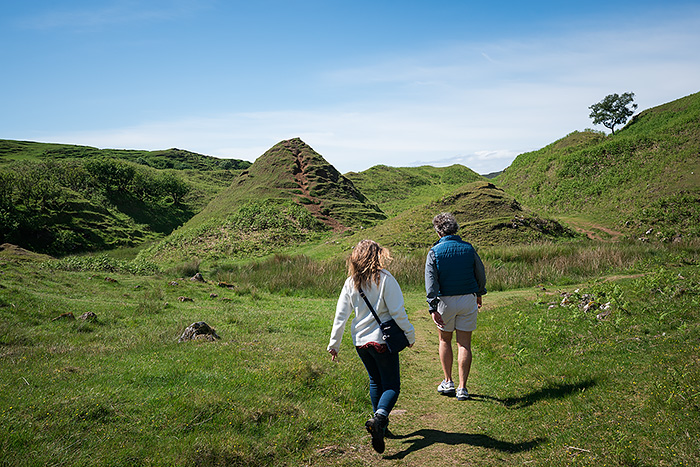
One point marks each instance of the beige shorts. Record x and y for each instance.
(458, 312)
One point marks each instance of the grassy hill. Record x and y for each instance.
(205, 175)
(644, 181)
(173, 158)
(290, 195)
(259, 213)
(292, 170)
(62, 199)
(486, 215)
(396, 189)
(645, 178)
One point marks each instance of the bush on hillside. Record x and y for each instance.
(73, 205)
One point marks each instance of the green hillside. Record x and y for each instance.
(486, 214)
(290, 195)
(71, 206)
(397, 189)
(173, 158)
(645, 178)
(205, 175)
(292, 170)
(59, 199)
(62, 199)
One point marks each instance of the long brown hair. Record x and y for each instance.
(366, 261)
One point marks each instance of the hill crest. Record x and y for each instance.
(292, 170)
(644, 178)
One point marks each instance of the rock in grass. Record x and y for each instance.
(197, 278)
(199, 331)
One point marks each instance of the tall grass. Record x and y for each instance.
(299, 275)
(568, 263)
(288, 275)
(506, 267)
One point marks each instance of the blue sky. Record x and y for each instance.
(399, 83)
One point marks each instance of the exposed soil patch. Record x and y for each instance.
(593, 230)
(315, 206)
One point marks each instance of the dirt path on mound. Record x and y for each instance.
(593, 230)
(314, 207)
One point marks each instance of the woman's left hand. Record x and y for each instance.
(334, 354)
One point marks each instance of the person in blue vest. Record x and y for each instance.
(455, 281)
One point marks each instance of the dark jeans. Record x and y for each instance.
(384, 378)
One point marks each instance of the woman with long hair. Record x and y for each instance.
(366, 272)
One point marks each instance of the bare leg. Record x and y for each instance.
(445, 351)
(464, 356)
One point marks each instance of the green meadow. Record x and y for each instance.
(551, 384)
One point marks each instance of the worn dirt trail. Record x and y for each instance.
(594, 231)
(433, 430)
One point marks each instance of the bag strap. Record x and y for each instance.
(374, 313)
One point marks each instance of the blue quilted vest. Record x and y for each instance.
(454, 259)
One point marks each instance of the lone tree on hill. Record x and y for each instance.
(613, 110)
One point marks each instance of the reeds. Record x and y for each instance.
(507, 267)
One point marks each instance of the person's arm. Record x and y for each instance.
(432, 286)
(343, 309)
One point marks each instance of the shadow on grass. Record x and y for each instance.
(428, 437)
(552, 391)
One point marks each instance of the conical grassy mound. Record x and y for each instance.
(486, 214)
(289, 196)
(292, 171)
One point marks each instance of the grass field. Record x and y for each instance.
(552, 384)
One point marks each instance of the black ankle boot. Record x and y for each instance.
(376, 426)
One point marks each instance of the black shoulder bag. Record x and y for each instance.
(394, 337)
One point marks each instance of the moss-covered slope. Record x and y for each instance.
(644, 178)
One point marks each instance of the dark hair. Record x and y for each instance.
(445, 224)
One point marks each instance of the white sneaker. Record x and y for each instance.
(462, 394)
(446, 388)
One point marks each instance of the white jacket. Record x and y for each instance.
(387, 300)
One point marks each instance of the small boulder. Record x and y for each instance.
(199, 331)
(88, 316)
(197, 278)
